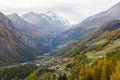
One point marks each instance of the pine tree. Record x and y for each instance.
(116, 75)
(54, 77)
(60, 77)
(46, 76)
(64, 77)
(82, 73)
(33, 76)
(103, 75)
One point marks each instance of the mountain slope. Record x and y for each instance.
(89, 25)
(12, 49)
(53, 18)
(112, 13)
(73, 34)
(35, 37)
(41, 22)
(25, 26)
(100, 41)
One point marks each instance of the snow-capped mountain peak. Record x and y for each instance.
(51, 13)
(55, 19)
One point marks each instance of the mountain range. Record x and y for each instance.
(25, 26)
(49, 22)
(88, 25)
(44, 46)
(44, 32)
(34, 36)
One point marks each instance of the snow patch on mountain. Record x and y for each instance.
(53, 18)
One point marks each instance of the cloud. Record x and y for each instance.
(73, 10)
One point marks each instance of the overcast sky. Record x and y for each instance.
(72, 10)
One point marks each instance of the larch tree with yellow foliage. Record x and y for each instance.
(116, 75)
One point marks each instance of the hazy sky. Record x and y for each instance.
(72, 10)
